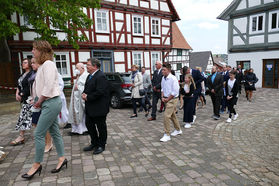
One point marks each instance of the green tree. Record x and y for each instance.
(64, 15)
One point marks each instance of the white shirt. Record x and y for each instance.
(170, 86)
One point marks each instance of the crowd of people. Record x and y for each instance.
(43, 103)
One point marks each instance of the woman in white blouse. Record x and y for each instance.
(46, 88)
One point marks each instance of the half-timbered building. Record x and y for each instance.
(179, 54)
(125, 32)
(253, 38)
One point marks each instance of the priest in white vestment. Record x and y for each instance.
(64, 114)
(77, 104)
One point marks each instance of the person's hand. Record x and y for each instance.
(229, 97)
(76, 88)
(37, 104)
(213, 91)
(133, 85)
(154, 88)
(18, 97)
(165, 100)
(84, 96)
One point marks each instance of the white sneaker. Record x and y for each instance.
(194, 119)
(165, 138)
(176, 132)
(229, 120)
(187, 125)
(235, 117)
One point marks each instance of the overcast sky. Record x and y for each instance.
(199, 25)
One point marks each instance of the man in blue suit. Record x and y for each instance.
(198, 78)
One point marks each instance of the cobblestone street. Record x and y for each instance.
(244, 152)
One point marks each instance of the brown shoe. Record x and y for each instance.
(151, 119)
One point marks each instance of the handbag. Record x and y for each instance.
(141, 92)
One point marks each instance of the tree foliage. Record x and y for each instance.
(64, 15)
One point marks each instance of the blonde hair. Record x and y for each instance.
(199, 68)
(191, 80)
(136, 66)
(46, 52)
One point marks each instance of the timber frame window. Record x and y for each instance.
(137, 25)
(274, 21)
(63, 64)
(137, 59)
(102, 21)
(155, 27)
(257, 23)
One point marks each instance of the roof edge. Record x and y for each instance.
(176, 16)
(228, 10)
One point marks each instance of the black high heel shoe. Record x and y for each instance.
(65, 162)
(27, 176)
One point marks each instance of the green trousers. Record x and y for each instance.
(48, 121)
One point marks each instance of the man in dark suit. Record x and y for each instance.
(156, 85)
(96, 96)
(215, 85)
(198, 78)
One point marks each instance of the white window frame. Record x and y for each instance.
(257, 28)
(141, 22)
(270, 21)
(106, 18)
(159, 27)
(134, 58)
(153, 60)
(68, 74)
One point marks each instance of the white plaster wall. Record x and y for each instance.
(256, 39)
(137, 40)
(111, 22)
(254, 2)
(129, 59)
(273, 38)
(119, 16)
(242, 5)
(165, 30)
(83, 56)
(119, 67)
(167, 41)
(155, 41)
(164, 7)
(118, 26)
(144, 4)
(147, 41)
(16, 37)
(134, 2)
(154, 4)
(165, 22)
(146, 25)
(29, 36)
(63, 36)
(268, 1)
(128, 22)
(102, 39)
(122, 39)
(129, 38)
(241, 24)
(237, 40)
(146, 59)
(119, 56)
(73, 59)
(13, 18)
(256, 61)
(123, 1)
(110, 0)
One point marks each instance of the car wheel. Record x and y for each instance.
(115, 102)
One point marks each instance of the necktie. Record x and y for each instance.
(90, 77)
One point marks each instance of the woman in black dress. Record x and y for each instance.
(250, 81)
(22, 95)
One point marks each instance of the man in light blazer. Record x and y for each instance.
(96, 97)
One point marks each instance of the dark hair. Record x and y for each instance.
(233, 72)
(184, 71)
(143, 67)
(173, 72)
(167, 65)
(29, 62)
(95, 62)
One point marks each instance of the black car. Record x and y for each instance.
(120, 88)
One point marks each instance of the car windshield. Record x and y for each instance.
(126, 78)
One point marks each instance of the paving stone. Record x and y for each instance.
(171, 177)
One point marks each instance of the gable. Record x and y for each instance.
(243, 7)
